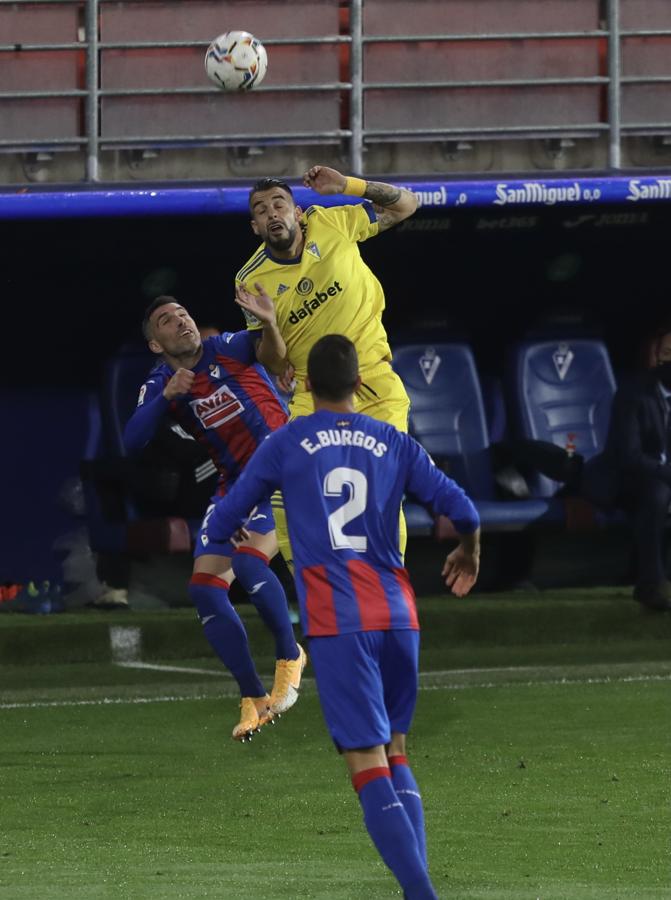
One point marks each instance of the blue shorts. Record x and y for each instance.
(367, 684)
(261, 521)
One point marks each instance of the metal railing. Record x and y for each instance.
(352, 128)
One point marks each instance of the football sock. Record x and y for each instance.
(391, 830)
(224, 631)
(409, 795)
(265, 591)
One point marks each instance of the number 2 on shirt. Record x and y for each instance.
(335, 483)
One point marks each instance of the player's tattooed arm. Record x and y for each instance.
(392, 204)
(382, 194)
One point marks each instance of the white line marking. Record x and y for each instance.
(562, 682)
(218, 673)
(105, 701)
(231, 692)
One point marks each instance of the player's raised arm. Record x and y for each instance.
(392, 204)
(271, 350)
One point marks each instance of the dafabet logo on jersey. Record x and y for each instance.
(310, 304)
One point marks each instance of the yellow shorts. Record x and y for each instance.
(381, 396)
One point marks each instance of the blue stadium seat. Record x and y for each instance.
(561, 391)
(127, 530)
(49, 431)
(493, 398)
(124, 374)
(447, 417)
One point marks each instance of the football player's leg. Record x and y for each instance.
(407, 788)
(265, 591)
(223, 628)
(383, 397)
(399, 673)
(300, 405)
(282, 531)
(352, 699)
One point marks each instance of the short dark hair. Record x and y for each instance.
(267, 184)
(153, 306)
(333, 367)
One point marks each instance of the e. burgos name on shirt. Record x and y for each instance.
(343, 437)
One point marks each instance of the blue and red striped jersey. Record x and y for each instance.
(343, 477)
(231, 408)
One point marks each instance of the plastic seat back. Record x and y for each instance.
(562, 392)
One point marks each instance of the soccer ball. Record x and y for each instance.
(236, 61)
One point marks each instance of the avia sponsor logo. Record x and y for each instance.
(217, 408)
(344, 437)
(655, 189)
(430, 198)
(539, 192)
(311, 304)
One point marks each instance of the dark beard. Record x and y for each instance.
(282, 243)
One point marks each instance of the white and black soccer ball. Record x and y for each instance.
(236, 61)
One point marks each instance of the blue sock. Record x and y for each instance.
(224, 631)
(409, 795)
(265, 591)
(392, 832)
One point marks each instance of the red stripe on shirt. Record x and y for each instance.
(403, 580)
(235, 434)
(370, 596)
(319, 604)
(258, 391)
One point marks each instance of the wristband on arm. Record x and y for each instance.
(354, 186)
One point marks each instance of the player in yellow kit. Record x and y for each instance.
(311, 268)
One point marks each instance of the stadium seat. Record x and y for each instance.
(561, 392)
(447, 417)
(121, 525)
(49, 432)
(495, 408)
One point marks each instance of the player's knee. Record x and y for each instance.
(209, 594)
(248, 562)
(396, 746)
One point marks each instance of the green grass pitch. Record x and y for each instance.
(539, 781)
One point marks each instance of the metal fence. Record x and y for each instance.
(85, 75)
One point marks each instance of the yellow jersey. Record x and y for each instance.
(328, 289)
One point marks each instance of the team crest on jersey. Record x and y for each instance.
(562, 358)
(251, 319)
(215, 372)
(314, 250)
(429, 363)
(217, 408)
(281, 289)
(305, 286)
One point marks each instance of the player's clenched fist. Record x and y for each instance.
(180, 384)
(324, 180)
